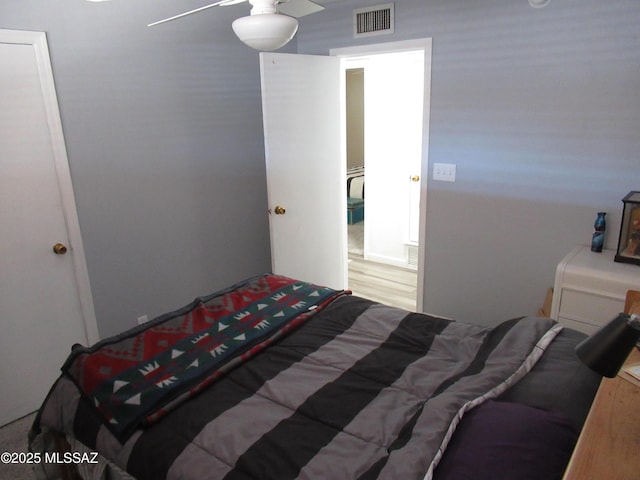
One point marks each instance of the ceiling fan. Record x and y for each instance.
(265, 28)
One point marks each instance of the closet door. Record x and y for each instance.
(45, 303)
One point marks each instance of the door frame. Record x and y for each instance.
(63, 173)
(393, 47)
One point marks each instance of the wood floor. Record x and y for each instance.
(395, 286)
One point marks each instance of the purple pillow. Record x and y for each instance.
(507, 441)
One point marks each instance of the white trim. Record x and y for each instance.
(61, 163)
(399, 46)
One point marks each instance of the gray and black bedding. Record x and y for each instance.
(338, 387)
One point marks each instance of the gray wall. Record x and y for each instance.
(540, 110)
(164, 136)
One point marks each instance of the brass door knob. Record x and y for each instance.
(59, 249)
(279, 210)
(415, 178)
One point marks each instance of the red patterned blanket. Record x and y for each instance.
(135, 378)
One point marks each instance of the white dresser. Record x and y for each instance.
(590, 288)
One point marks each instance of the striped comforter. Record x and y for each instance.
(359, 391)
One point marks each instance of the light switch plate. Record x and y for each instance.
(444, 172)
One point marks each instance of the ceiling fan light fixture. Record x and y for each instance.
(265, 32)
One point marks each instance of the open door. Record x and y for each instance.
(304, 151)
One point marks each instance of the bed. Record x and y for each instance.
(355, 195)
(355, 182)
(276, 378)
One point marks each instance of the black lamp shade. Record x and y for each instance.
(606, 350)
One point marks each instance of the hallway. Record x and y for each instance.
(388, 284)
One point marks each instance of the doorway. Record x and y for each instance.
(387, 91)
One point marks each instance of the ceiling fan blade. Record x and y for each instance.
(221, 3)
(298, 8)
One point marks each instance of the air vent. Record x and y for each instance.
(372, 21)
(412, 256)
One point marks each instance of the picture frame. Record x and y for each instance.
(629, 239)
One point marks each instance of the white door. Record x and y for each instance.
(304, 149)
(394, 91)
(45, 304)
